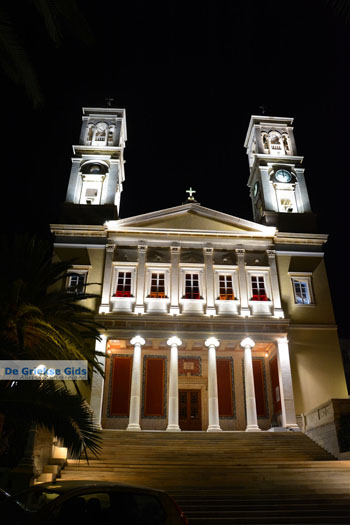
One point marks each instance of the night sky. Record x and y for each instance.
(189, 74)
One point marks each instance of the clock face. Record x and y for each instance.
(255, 189)
(283, 176)
(95, 168)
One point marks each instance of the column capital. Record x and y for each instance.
(271, 253)
(110, 248)
(247, 342)
(212, 341)
(282, 340)
(137, 340)
(208, 250)
(240, 251)
(142, 248)
(174, 341)
(175, 249)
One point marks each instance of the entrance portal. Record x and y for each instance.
(190, 410)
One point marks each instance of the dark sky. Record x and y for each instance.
(189, 74)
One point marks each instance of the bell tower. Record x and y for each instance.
(97, 172)
(277, 183)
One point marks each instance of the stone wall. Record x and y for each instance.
(329, 425)
(42, 449)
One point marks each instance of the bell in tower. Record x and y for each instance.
(277, 183)
(97, 172)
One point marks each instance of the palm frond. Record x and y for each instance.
(52, 406)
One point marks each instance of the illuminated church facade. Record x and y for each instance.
(210, 322)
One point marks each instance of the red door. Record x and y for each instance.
(190, 410)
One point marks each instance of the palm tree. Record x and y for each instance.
(46, 404)
(40, 320)
(37, 321)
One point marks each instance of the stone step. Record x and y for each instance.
(228, 477)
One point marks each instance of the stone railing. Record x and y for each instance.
(329, 425)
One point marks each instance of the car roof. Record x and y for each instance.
(67, 485)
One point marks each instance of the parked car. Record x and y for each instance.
(97, 502)
(13, 510)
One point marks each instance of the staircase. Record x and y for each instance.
(228, 477)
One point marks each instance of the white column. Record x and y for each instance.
(97, 382)
(242, 279)
(174, 289)
(140, 282)
(135, 396)
(209, 277)
(276, 296)
(173, 396)
(286, 386)
(213, 403)
(252, 418)
(107, 279)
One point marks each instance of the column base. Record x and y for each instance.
(245, 312)
(278, 312)
(139, 309)
(133, 427)
(174, 310)
(211, 310)
(104, 309)
(253, 428)
(173, 428)
(214, 428)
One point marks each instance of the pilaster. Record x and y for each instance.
(276, 296)
(242, 279)
(140, 282)
(74, 184)
(112, 181)
(174, 289)
(286, 386)
(209, 278)
(107, 279)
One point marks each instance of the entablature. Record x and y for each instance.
(126, 325)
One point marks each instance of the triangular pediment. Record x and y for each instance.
(191, 217)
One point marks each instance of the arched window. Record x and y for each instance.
(275, 140)
(89, 134)
(100, 135)
(286, 144)
(265, 141)
(111, 132)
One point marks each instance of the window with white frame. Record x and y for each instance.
(76, 281)
(123, 285)
(258, 287)
(192, 288)
(124, 281)
(302, 290)
(226, 292)
(157, 288)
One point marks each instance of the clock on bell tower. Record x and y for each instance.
(277, 183)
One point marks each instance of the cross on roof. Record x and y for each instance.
(109, 101)
(191, 191)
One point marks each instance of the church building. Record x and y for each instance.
(211, 322)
